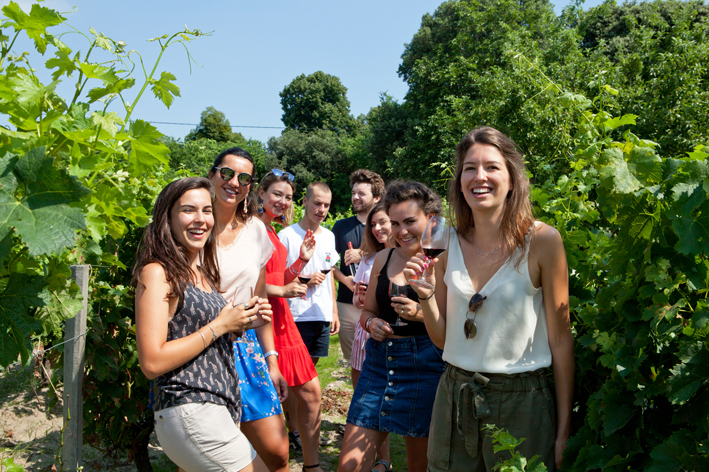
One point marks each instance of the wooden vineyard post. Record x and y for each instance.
(75, 329)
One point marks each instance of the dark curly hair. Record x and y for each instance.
(400, 191)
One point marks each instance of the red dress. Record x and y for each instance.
(293, 357)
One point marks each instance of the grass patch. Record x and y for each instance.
(326, 366)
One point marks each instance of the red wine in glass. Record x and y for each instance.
(396, 290)
(432, 253)
(326, 271)
(434, 241)
(304, 279)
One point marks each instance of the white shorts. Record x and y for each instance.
(202, 437)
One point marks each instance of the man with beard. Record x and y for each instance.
(367, 190)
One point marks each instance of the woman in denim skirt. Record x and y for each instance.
(395, 390)
(501, 308)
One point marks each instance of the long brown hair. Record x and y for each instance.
(517, 217)
(270, 179)
(370, 245)
(160, 245)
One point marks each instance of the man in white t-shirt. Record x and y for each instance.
(316, 315)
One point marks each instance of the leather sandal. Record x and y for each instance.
(386, 465)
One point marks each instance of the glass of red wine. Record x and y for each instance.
(396, 290)
(242, 295)
(434, 241)
(304, 279)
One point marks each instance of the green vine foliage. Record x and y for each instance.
(636, 229)
(76, 184)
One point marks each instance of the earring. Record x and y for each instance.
(283, 218)
(260, 206)
(246, 205)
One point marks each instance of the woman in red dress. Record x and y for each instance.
(275, 201)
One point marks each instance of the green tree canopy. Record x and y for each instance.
(213, 125)
(317, 101)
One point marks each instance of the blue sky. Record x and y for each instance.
(256, 49)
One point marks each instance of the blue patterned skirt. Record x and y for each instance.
(258, 395)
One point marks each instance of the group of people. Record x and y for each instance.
(435, 362)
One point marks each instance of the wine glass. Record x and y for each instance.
(434, 241)
(304, 279)
(396, 290)
(243, 295)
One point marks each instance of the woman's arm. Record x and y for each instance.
(307, 248)
(265, 339)
(156, 355)
(378, 328)
(433, 302)
(554, 274)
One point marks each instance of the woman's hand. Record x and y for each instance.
(407, 308)
(294, 289)
(307, 248)
(237, 318)
(279, 383)
(379, 329)
(414, 270)
(360, 292)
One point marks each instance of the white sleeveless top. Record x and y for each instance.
(512, 327)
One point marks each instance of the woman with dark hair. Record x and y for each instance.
(376, 238)
(501, 309)
(243, 250)
(276, 203)
(183, 327)
(394, 393)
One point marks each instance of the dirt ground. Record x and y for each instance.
(30, 428)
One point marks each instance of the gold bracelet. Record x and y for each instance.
(203, 339)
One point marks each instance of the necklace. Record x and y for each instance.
(484, 253)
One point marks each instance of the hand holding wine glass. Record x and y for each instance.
(244, 296)
(434, 241)
(396, 290)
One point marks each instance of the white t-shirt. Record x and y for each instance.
(318, 303)
(241, 261)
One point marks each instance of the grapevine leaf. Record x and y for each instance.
(645, 165)
(146, 148)
(615, 174)
(109, 122)
(693, 232)
(164, 89)
(64, 64)
(115, 87)
(666, 456)
(700, 153)
(94, 71)
(35, 24)
(23, 292)
(619, 121)
(42, 216)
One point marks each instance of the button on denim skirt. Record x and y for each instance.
(397, 386)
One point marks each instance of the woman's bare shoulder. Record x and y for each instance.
(379, 260)
(152, 274)
(546, 240)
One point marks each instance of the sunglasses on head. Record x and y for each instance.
(475, 303)
(227, 173)
(279, 173)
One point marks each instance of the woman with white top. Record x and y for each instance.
(500, 313)
(243, 250)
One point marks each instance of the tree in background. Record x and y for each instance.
(317, 101)
(213, 125)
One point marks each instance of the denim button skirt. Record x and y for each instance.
(397, 386)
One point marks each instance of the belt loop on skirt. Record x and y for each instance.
(471, 395)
